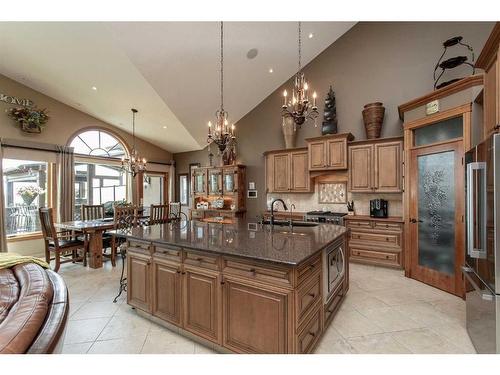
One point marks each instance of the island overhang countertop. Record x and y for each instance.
(243, 238)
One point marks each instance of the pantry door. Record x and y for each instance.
(436, 184)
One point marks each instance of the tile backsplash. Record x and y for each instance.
(305, 202)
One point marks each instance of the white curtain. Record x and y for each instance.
(171, 182)
(65, 183)
(3, 229)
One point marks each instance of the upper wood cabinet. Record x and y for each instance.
(287, 171)
(375, 166)
(328, 152)
(489, 60)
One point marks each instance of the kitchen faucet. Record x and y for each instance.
(272, 208)
(290, 223)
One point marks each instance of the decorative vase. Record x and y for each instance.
(373, 117)
(329, 125)
(289, 132)
(28, 199)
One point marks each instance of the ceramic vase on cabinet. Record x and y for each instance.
(289, 132)
(373, 117)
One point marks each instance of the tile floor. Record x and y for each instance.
(384, 312)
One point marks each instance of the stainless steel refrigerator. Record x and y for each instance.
(482, 260)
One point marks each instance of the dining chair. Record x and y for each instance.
(124, 216)
(175, 212)
(96, 212)
(158, 214)
(60, 243)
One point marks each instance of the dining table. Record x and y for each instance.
(94, 229)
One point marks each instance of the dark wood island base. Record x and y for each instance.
(230, 303)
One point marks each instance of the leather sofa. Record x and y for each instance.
(34, 306)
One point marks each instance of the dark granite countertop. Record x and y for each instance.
(243, 238)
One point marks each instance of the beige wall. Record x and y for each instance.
(64, 122)
(383, 61)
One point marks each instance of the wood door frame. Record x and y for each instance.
(465, 110)
(438, 279)
(139, 187)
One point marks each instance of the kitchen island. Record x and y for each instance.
(240, 287)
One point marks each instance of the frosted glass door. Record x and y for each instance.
(436, 225)
(436, 212)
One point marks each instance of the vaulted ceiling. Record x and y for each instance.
(167, 70)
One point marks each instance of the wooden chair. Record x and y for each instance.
(124, 216)
(92, 212)
(60, 243)
(158, 214)
(96, 212)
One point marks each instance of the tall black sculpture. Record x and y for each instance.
(330, 114)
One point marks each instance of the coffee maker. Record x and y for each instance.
(378, 208)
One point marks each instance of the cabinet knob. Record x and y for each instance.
(312, 334)
(199, 259)
(252, 270)
(312, 295)
(178, 271)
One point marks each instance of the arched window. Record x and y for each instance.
(99, 181)
(98, 143)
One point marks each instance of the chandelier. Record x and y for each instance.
(298, 107)
(134, 164)
(221, 133)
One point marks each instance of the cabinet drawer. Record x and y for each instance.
(203, 260)
(307, 269)
(266, 273)
(377, 256)
(310, 334)
(393, 239)
(197, 214)
(307, 297)
(380, 225)
(139, 247)
(167, 252)
(358, 224)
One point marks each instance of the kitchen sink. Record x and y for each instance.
(283, 223)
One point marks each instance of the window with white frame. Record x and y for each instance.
(100, 181)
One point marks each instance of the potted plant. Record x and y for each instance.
(31, 119)
(29, 193)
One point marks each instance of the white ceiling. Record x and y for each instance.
(167, 70)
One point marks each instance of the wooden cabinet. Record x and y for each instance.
(299, 173)
(375, 241)
(243, 305)
(202, 303)
(139, 280)
(167, 290)
(376, 166)
(489, 60)
(287, 171)
(209, 183)
(328, 152)
(360, 170)
(255, 318)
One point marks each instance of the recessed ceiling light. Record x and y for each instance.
(252, 53)
(94, 88)
(164, 127)
(271, 70)
(311, 35)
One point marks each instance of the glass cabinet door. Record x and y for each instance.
(199, 182)
(215, 182)
(230, 181)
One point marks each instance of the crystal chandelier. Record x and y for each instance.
(134, 164)
(299, 108)
(221, 133)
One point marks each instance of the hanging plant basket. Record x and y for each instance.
(30, 119)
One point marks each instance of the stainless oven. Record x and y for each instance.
(334, 268)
